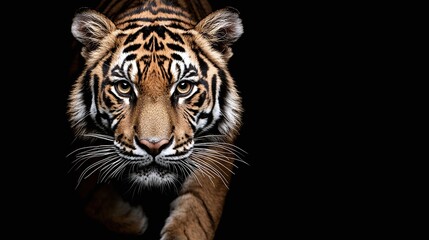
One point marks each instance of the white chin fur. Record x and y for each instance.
(152, 178)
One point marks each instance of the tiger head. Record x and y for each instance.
(157, 89)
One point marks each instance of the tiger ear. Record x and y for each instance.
(90, 27)
(222, 28)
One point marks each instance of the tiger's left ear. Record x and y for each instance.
(221, 28)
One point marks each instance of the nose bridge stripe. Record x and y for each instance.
(154, 121)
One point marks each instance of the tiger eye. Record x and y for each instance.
(184, 87)
(123, 87)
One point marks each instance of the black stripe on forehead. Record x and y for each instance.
(132, 26)
(165, 72)
(175, 47)
(128, 71)
(130, 57)
(121, 71)
(168, 71)
(131, 48)
(156, 19)
(136, 25)
(117, 72)
(153, 45)
(159, 30)
(188, 71)
(176, 57)
(146, 31)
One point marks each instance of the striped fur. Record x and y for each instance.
(158, 109)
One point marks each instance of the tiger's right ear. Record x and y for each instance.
(90, 27)
(222, 28)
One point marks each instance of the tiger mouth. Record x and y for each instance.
(153, 175)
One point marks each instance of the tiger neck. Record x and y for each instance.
(198, 9)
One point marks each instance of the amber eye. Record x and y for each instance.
(184, 87)
(123, 87)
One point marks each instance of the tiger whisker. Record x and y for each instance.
(97, 165)
(203, 171)
(220, 171)
(176, 170)
(217, 159)
(229, 147)
(120, 170)
(94, 167)
(190, 168)
(96, 148)
(211, 136)
(134, 188)
(183, 170)
(100, 152)
(90, 152)
(106, 170)
(239, 152)
(235, 150)
(100, 136)
(208, 169)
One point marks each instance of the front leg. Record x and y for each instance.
(108, 207)
(195, 214)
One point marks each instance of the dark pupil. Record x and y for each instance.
(183, 86)
(123, 85)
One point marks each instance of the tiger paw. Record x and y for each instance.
(190, 230)
(187, 233)
(117, 215)
(133, 222)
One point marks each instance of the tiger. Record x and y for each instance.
(155, 108)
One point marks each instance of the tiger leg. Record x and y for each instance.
(195, 214)
(109, 208)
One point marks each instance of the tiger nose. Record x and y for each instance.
(153, 147)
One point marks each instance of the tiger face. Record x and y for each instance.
(158, 92)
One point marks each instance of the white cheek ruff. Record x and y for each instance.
(78, 108)
(231, 114)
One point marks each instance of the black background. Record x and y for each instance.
(291, 186)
